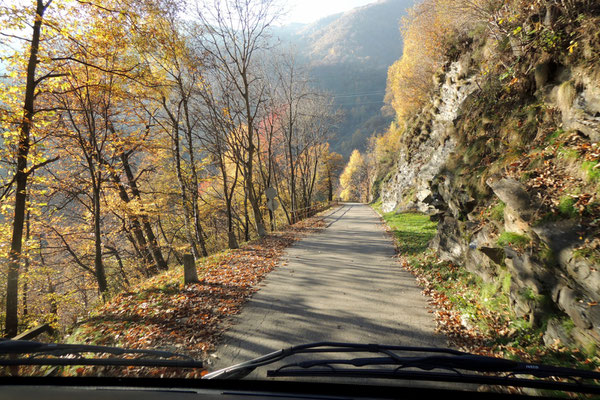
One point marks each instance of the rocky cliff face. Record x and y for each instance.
(430, 143)
(512, 174)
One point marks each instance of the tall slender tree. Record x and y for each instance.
(22, 172)
(235, 32)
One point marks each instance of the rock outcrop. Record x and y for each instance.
(455, 166)
(430, 144)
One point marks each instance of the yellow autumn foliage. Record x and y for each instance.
(352, 180)
(426, 31)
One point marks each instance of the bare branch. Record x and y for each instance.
(40, 165)
(48, 76)
(7, 187)
(15, 37)
(71, 252)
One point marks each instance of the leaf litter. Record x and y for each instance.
(163, 314)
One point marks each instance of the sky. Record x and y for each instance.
(306, 11)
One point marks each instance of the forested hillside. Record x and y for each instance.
(349, 54)
(496, 139)
(130, 137)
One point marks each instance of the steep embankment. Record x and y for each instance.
(506, 158)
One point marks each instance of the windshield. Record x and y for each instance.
(204, 183)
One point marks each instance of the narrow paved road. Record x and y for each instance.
(341, 284)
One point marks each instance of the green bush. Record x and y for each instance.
(588, 254)
(568, 325)
(376, 205)
(486, 306)
(568, 153)
(554, 136)
(506, 281)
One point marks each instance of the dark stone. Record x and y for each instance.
(523, 270)
(556, 333)
(542, 75)
(514, 195)
(476, 261)
(522, 306)
(436, 217)
(425, 196)
(559, 235)
(568, 302)
(587, 339)
(448, 242)
(589, 126)
(586, 275)
(447, 196)
(593, 314)
(493, 253)
(563, 237)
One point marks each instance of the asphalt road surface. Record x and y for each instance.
(341, 285)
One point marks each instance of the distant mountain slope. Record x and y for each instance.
(349, 54)
(368, 34)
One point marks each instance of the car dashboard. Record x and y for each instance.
(24, 388)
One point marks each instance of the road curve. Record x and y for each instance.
(342, 285)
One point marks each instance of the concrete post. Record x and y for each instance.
(189, 270)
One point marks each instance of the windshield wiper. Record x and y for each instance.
(25, 352)
(416, 363)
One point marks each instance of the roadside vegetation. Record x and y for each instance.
(474, 315)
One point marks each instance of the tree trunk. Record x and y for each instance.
(184, 197)
(190, 274)
(249, 164)
(313, 181)
(293, 205)
(12, 281)
(115, 253)
(152, 240)
(198, 231)
(141, 244)
(246, 219)
(156, 251)
(52, 300)
(272, 219)
(329, 186)
(281, 203)
(170, 244)
(98, 264)
(232, 241)
(26, 267)
(258, 219)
